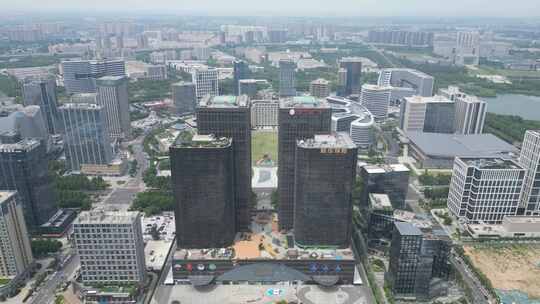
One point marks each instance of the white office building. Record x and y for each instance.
(485, 190)
(80, 76)
(319, 88)
(376, 99)
(110, 246)
(427, 114)
(206, 81)
(264, 113)
(362, 131)
(421, 82)
(470, 111)
(530, 160)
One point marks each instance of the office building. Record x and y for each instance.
(184, 96)
(287, 78)
(470, 111)
(42, 93)
(363, 132)
(80, 76)
(353, 68)
(202, 169)
(298, 118)
(376, 99)
(86, 137)
(467, 48)
(84, 98)
(438, 150)
(325, 173)
(112, 95)
(427, 114)
(264, 113)
(341, 122)
(419, 265)
(24, 122)
(530, 160)
(341, 82)
(240, 71)
(15, 251)
(110, 246)
(277, 36)
(421, 82)
(206, 81)
(319, 88)
(485, 190)
(380, 217)
(230, 116)
(201, 53)
(155, 72)
(24, 168)
(392, 180)
(404, 38)
(248, 87)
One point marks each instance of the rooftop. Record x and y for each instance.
(430, 99)
(386, 168)
(25, 145)
(412, 71)
(464, 146)
(5, 195)
(522, 219)
(81, 106)
(320, 81)
(303, 102)
(224, 101)
(186, 139)
(111, 80)
(380, 201)
(106, 217)
(491, 163)
(334, 140)
(407, 229)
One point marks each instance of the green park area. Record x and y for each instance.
(264, 143)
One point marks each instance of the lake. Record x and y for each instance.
(525, 106)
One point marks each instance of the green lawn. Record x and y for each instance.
(264, 142)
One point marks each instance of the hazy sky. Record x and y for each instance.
(497, 8)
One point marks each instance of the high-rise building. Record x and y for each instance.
(201, 53)
(470, 111)
(110, 246)
(325, 173)
(485, 189)
(206, 82)
(392, 180)
(184, 96)
(319, 88)
(240, 71)
(24, 168)
(299, 118)
(363, 131)
(419, 262)
(202, 169)
(287, 78)
(42, 93)
(341, 122)
(80, 76)
(15, 252)
(467, 48)
(277, 36)
(248, 87)
(24, 122)
(427, 114)
(230, 116)
(142, 41)
(86, 137)
(408, 78)
(353, 66)
(264, 113)
(408, 38)
(530, 160)
(112, 95)
(376, 99)
(341, 82)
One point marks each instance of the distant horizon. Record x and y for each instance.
(281, 8)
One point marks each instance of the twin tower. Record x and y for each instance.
(211, 174)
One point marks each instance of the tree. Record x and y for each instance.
(154, 232)
(41, 247)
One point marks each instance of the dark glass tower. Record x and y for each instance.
(298, 118)
(353, 66)
(241, 71)
(42, 93)
(230, 116)
(324, 178)
(203, 180)
(24, 167)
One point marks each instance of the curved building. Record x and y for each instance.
(376, 99)
(362, 131)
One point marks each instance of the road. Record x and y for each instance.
(46, 293)
(478, 292)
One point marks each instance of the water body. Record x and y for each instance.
(515, 297)
(525, 106)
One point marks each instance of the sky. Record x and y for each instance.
(438, 8)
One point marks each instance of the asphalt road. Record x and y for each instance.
(46, 293)
(477, 289)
